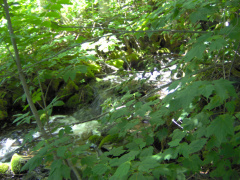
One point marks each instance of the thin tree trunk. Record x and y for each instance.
(21, 75)
(25, 86)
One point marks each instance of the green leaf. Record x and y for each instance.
(61, 151)
(140, 176)
(121, 171)
(140, 142)
(196, 51)
(100, 169)
(129, 156)
(157, 117)
(116, 151)
(144, 109)
(193, 163)
(235, 33)
(224, 88)
(195, 16)
(162, 133)
(69, 74)
(197, 145)
(215, 101)
(32, 163)
(55, 7)
(170, 153)
(206, 89)
(221, 127)
(147, 164)
(178, 134)
(53, 14)
(118, 113)
(175, 142)
(183, 149)
(89, 160)
(58, 103)
(82, 68)
(217, 44)
(65, 2)
(21, 116)
(39, 145)
(231, 106)
(146, 152)
(65, 171)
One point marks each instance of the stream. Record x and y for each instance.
(11, 139)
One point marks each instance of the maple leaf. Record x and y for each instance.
(221, 127)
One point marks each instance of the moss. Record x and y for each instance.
(96, 139)
(16, 163)
(3, 104)
(88, 94)
(85, 95)
(133, 57)
(117, 54)
(73, 101)
(118, 63)
(3, 168)
(152, 98)
(3, 114)
(80, 78)
(110, 139)
(71, 87)
(55, 84)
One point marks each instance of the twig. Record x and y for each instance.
(133, 31)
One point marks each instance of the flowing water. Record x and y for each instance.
(11, 140)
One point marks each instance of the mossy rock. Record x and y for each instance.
(4, 168)
(88, 94)
(117, 54)
(96, 139)
(132, 57)
(118, 63)
(71, 87)
(16, 163)
(68, 89)
(80, 78)
(73, 101)
(110, 139)
(55, 84)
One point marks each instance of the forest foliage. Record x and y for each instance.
(66, 43)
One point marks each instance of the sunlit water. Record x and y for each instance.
(8, 145)
(158, 78)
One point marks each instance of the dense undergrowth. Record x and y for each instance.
(64, 45)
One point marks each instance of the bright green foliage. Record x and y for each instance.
(66, 44)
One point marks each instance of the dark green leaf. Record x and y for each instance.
(197, 145)
(100, 169)
(61, 151)
(221, 127)
(147, 164)
(121, 171)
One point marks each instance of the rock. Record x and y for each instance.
(4, 167)
(16, 163)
